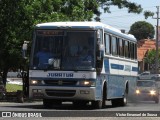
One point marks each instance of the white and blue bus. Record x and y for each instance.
(64, 75)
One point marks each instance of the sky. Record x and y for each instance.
(121, 19)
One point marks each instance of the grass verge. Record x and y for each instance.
(13, 87)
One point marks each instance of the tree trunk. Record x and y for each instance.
(4, 76)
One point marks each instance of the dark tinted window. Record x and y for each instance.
(121, 48)
(126, 48)
(145, 83)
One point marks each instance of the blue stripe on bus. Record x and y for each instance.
(135, 69)
(106, 65)
(117, 66)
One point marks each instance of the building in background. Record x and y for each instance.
(143, 47)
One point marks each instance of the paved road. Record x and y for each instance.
(68, 112)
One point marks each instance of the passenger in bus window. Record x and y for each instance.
(43, 56)
(75, 50)
(89, 56)
(86, 54)
(83, 52)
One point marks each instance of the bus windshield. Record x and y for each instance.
(63, 50)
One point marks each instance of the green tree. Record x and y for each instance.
(18, 17)
(148, 14)
(150, 57)
(10, 35)
(142, 30)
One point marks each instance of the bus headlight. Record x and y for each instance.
(86, 83)
(152, 92)
(36, 82)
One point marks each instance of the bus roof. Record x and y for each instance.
(87, 25)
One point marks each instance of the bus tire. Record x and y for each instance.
(120, 101)
(99, 104)
(123, 101)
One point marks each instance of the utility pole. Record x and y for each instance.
(157, 54)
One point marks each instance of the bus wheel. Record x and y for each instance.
(99, 104)
(120, 101)
(123, 101)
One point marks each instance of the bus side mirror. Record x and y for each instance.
(99, 52)
(100, 49)
(99, 58)
(24, 49)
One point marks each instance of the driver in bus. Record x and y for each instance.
(89, 56)
(86, 55)
(43, 57)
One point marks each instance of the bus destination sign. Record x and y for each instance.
(50, 32)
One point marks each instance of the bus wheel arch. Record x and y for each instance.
(105, 90)
(101, 103)
(124, 100)
(127, 87)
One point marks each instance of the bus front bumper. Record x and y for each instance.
(62, 93)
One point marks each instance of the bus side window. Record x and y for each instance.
(117, 45)
(121, 48)
(126, 48)
(129, 50)
(114, 45)
(135, 49)
(107, 43)
(132, 50)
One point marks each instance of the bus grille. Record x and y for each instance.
(60, 82)
(61, 93)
